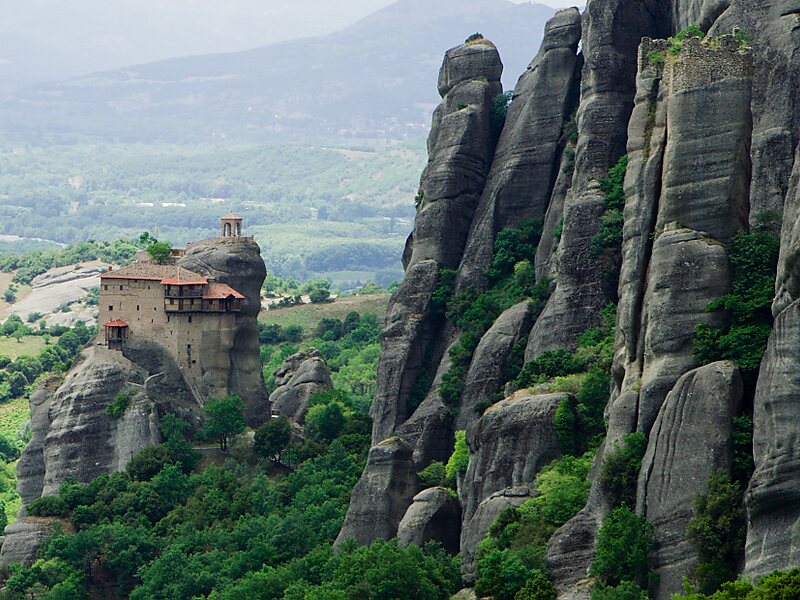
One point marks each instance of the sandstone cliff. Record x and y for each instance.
(710, 129)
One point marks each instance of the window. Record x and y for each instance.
(120, 287)
(105, 287)
(190, 318)
(137, 307)
(110, 307)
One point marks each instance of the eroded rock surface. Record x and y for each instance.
(234, 366)
(773, 498)
(383, 494)
(434, 515)
(691, 438)
(300, 376)
(508, 446)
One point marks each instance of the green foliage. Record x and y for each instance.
(318, 290)
(516, 544)
(676, 43)
(512, 245)
(624, 543)
(435, 474)
(475, 37)
(538, 587)
(717, 531)
(272, 438)
(754, 259)
(627, 590)
(606, 244)
(149, 462)
(160, 252)
(119, 405)
(553, 363)
(565, 426)
(325, 422)
(459, 459)
(48, 506)
(592, 360)
(743, 464)
(620, 470)
(778, 585)
(500, 104)
(224, 419)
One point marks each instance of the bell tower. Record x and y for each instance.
(230, 226)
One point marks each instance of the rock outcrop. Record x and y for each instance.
(689, 191)
(773, 498)
(508, 446)
(22, 540)
(383, 494)
(73, 434)
(234, 366)
(691, 438)
(525, 163)
(300, 376)
(460, 148)
(434, 515)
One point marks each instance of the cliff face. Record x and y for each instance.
(710, 129)
(74, 436)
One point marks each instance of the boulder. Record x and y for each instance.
(508, 446)
(485, 376)
(382, 495)
(300, 376)
(22, 540)
(691, 438)
(481, 520)
(433, 515)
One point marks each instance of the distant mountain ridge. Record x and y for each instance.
(370, 80)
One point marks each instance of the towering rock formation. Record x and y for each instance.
(710, 141)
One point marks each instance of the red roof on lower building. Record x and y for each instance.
(219, 291)
(116, 323)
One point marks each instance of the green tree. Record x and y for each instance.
(17, 384)
(160, 252)
(624, 544)
(620, 470)
(538, 587)
(272, 437)
(324, 422)
(224, 419)
(457, 463)
(717, 531)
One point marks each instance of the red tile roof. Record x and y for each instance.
(166, 274)
(176, 281)
(116, 323)
(217, 291)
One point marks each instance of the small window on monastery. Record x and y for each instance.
(171, 301)
(110, 307)
(137, 307)
(105, 287)
(120, 287)
(190, 318)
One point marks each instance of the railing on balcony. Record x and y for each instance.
(182, 292)
(203, 306)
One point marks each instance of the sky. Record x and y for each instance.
(43, 40)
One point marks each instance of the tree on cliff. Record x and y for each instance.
(224, 419)
(159, 252)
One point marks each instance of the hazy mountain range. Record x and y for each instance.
(372, 79)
